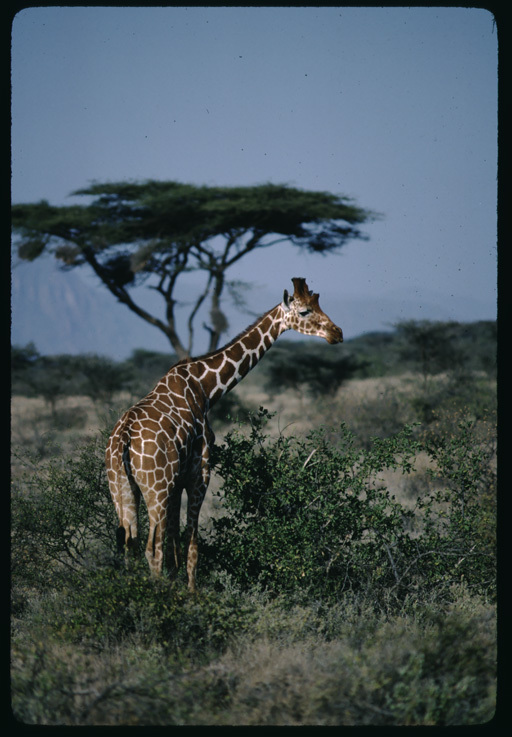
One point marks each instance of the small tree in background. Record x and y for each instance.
(456, 351)
(52, 378)
(23, 357)
(101, 377)
(432, 347)
(160, 231)
(320, 373)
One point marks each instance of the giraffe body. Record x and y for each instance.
(162, 444)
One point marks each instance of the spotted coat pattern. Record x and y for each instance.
(161, 446)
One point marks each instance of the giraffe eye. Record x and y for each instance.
(303, 313)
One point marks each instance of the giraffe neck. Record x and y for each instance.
(220, 371)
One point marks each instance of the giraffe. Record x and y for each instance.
(161, 446)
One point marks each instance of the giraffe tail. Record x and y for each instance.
(124, 447)
(126, 442)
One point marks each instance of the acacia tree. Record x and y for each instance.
(158, 231)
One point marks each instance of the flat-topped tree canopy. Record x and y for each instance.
(129, 232)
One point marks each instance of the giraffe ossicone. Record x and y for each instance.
(161, 446)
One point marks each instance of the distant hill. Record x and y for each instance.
(63, 313)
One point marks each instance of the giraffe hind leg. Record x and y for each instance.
(195, 500)
(197, 487)
(154, 547)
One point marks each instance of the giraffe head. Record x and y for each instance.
(303, 314)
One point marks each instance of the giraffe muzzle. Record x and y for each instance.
(335, 335)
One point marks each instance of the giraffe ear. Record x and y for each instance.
(287, 299)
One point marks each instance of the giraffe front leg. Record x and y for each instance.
(192, 550)
(126, 500)
(196, 487)
(196, 494)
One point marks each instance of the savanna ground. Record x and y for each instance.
(346, 574)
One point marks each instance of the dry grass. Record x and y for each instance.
(375, 671)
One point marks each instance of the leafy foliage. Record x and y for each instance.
(303, 515)
(55, 377)
(301, 365)
(460, 515)
(144, 368)
(110, 605)
(63, 518)
(376, 670)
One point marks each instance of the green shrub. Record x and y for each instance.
(311, 664)
(312, 517)
(303, 366)
(230, 406)
(308, 515)
(63, 518)
(459, 516)
(446, 399)
(322, 600)
(68, 578)
(111, 606)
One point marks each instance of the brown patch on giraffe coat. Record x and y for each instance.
(245, 365)
(251, 341)
(235, 353)
(214, 363)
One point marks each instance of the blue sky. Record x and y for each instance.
(395, 107)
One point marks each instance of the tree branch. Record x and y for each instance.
(122, 295)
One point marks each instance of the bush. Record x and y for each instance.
(313, 519)
(304, 514)
(310, 517)
(230, 406)
(63, 518)
(114, 606)
(431, 346)
(459, 517)
(101, 377)
(65, 564)
(64, 685)
(143, 369)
